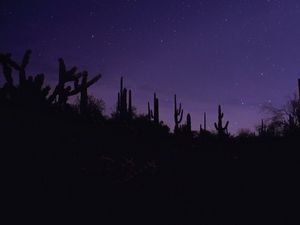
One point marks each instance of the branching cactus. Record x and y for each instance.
(71, 75)
(29, 89)
(178, 113)
(154, 115)
(124, 107)
(21, 67)
(82, 88)
(64, 76)
(222, 130)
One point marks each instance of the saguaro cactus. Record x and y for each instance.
(188, 123)
(72, 76)
(82, 88)
(178, 113)
(262, 129)
(21, 67)
(5, 60)
(124, 107)
(219, 126)
(130, 110)
(64, 76)
(299, 89)
(204, 123)
(154, 115)
(29, 89)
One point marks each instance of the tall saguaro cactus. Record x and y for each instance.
(21, 67)
(130, 110)
(72, 75)
(8, 63)
(60, 90)
(154, 115)
(204, 123)
(5, 61)
(262, 130)
(124, 107)
(189, 123)
(299, 89)
(298, 105)
(178, 113)
(83, 87)
(222, 130)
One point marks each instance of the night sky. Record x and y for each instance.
(241, 54)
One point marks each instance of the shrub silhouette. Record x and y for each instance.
(283, 120)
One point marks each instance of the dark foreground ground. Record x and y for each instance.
(57, 171)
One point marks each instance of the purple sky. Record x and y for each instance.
(238, 53)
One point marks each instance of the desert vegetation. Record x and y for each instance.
(67, 159)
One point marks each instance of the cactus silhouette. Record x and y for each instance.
(61, 92)
(29, 89)
(262, 130)
(5, 60)
(178, 113)
(124, 107)
(154, 115)
(82, 88)
(299, 89)
(222, 130)
(204, 123)
(21, 67)
(130, 109)
(188, 123)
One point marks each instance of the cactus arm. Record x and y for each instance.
(181, 115)
(216, 126)
(75, 91)
(94, 80)
(26, 58)
(226, 125)
(52, 97)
